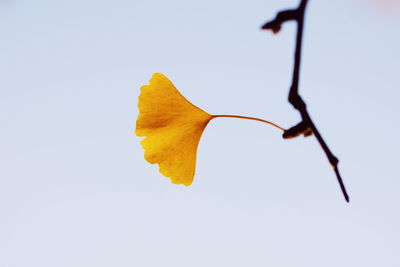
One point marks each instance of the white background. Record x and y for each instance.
(75, 189)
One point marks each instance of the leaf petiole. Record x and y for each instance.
(248, 118)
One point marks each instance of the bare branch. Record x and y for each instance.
(306, 126)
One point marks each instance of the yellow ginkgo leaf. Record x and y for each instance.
(172, 126)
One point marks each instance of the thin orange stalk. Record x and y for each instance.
(249, 118)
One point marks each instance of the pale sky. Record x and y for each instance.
(75, 189)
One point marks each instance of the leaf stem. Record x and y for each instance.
(249, 118)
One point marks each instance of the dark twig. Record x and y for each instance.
(306, 126)
(280, 18)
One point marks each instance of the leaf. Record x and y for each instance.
(172, 127)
